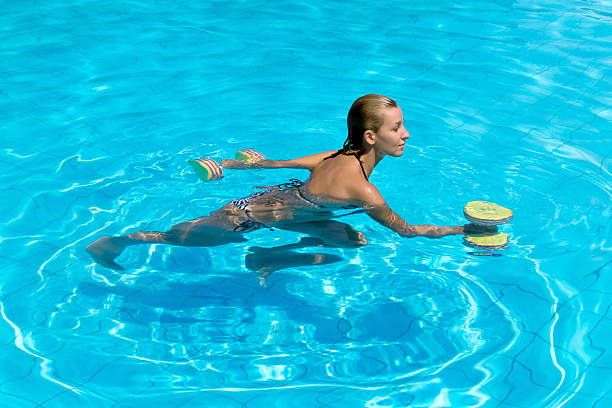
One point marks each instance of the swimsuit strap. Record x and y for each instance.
(301, 194)
(293, 183)
(356, 154)
(361, 164)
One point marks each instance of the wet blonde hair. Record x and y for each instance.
(366, 113)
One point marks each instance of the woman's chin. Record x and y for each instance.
(394, 153)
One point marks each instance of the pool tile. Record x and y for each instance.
(305, 397)
(46, 385)
(542, 365)
(17, 277)
(118, 373)
(7, 334)
(195, 398)
(597, 382)
(79, 397)
(571, 331)
(519, 380)
(604, 401)
(192, 377)
(532, 309)
(17, 365)
(16, 401)
(577, 400)
(589, 302)
(599, 337)
(67, 370)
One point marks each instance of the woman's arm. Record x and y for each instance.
(377, 208)
(387, 217)
(306, 162)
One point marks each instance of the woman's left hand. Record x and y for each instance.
(478, 229)
(235, 164)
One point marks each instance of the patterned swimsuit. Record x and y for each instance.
(243, 204)
(294, 184)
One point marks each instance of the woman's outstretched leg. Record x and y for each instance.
(203, 231)
(105, 249)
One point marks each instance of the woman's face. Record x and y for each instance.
(391, 137)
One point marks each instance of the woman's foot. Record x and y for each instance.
(104, 250)
(344, 237)
(356, 238)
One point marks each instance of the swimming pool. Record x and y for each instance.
(103, 103)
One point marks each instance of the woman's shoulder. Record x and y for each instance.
(351, 194)
(344, 182)
(340, 164)
(366, 194)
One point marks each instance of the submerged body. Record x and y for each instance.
(286, 203)
(338, 184)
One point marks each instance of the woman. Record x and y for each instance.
(338, 182)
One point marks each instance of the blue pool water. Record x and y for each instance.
(103, 102)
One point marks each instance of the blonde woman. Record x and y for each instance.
(338, 184)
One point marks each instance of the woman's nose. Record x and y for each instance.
(406, 134)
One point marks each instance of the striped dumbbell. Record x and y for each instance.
(249, 156)
(207, 169)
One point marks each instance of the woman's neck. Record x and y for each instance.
(370, 159)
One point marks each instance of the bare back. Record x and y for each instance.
(338, 179)
(331, 187)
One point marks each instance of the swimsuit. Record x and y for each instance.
(294, 184)
(243, 203)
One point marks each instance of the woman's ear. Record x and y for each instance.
(369, 137)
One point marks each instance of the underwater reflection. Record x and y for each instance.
(264, 261)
